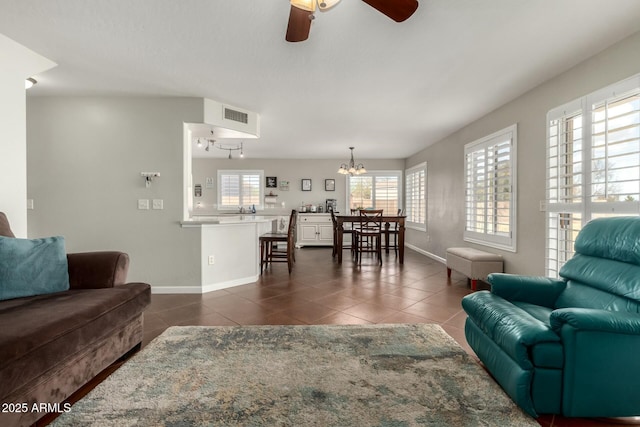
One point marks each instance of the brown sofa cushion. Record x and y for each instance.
(92, 270)
(5, 229)
(39, 332)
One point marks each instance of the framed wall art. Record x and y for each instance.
(306, 184)
(329, 185)
(272, 182)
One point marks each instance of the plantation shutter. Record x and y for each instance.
(593, 165)
(415, 195)
(239, 188)
(615, 153)
(375, 190)
(565, 180)
(386, 194)
(490, 175)
(230, 190)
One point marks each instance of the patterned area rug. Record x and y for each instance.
(374, 375)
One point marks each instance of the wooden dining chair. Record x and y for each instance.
(393, 233)
(270, 252)
(368, 234)
(345, 232)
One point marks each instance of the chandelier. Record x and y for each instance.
(351, 168)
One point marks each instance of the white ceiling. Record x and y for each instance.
(389, 89)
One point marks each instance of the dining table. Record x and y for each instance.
(387, 220)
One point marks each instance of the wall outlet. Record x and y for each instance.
(212, 259)
(30, 204)
(158, 204)
(143, 204)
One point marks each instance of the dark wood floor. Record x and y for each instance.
(319, 291)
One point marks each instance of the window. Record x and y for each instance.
(490, 193)
(240, 188)
(416, 197)
(375, 190)
(593, 165)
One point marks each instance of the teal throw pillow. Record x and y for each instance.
(32, 267)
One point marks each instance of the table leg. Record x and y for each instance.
(338, 236)
(386, 237)
(401, 241)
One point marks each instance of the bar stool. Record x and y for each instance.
(269, 253)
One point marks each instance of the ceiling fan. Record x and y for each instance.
(302, 11)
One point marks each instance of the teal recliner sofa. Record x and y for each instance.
(567, 346)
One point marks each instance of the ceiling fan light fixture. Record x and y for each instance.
(308, 5)
(327, 4)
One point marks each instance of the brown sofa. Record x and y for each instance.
(51, 345)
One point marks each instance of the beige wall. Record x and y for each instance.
(445, 159)
(289, 170)
(85, 156)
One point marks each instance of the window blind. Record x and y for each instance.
(489, 192)
(415, 196)
(239, 188)
(375, 190)
(593, 165)
(615, 150)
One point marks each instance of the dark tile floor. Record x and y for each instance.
(319, 291)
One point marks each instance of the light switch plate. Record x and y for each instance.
(143, 204)
(158, 204)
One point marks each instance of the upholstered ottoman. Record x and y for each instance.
(473, 263)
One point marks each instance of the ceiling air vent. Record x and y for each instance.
(230, 121)
(236, 116)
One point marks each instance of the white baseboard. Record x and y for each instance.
(176, 289)
(229, 284)
(425, 253)
(205, 288)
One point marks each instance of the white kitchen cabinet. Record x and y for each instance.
(314, 230)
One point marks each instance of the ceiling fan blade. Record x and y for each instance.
(398, 10)
(299, 25)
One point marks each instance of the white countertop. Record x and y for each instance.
(228, 219)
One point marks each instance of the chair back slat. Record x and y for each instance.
(370, 220)
(291, 232)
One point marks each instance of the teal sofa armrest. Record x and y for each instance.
(531, 289)
(601, 367)
(590, 319)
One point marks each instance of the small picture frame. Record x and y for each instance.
(284, 185)
(272, 182)
(306, 184)
(329, 185)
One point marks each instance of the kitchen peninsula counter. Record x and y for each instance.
(229, 248)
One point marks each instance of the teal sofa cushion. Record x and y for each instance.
(611, 238)
(606, 275)
(32, 267)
